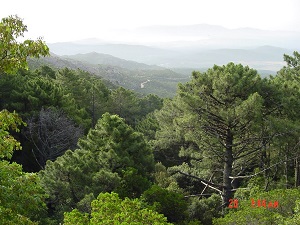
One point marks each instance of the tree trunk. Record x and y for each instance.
(286, 169)
(265, 156)
(227, 190)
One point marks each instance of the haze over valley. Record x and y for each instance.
(194, 46)
(155, 59)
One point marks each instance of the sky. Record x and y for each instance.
(71, 20)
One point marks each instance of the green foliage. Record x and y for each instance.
(286, 125)
(204, 209)
(150, 103)
(252, 214)
(9, 121)
(88, 91)
(113, 157)
(148, 126)
(213, 122)
(47, 71)
(169, 138)
(295, 219)
(27, 92)
(132, 184)
(75, 217)
(171, 204)
(112, 134)
(164, 179)
(13, 55)
(21, 196)
(125, 103)
(293, 61)
(110, 209)
(73, 176)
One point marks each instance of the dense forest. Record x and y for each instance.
(78, 149)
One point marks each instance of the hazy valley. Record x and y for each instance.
(166, 55)
(155, 59)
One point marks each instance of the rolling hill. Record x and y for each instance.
(139, 77)
(265, 57)
(106, 59)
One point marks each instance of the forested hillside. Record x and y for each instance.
(139, 77)
(78, 148)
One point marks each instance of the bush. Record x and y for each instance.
(171, 204)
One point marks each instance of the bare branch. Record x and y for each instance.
(52, 133)
(205, 182)
(197, 195)
(209, 181)
(253, 175)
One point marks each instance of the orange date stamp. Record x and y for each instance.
(234, 203)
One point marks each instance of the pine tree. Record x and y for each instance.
(217, 125)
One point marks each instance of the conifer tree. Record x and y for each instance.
(217, 125)
(112, 157)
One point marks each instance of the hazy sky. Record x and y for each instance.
(69, 20)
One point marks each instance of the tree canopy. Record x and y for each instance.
(110, 209)
(13, 54)
(112, 157)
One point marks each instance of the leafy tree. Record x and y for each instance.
(252, 216)
(21, 195)
(13, 54)
(7, 142)
(27, 92)
(110, 209)
(164, 179)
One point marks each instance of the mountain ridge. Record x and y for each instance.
(160, 81)
(106, 59)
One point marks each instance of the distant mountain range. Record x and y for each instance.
(214, 37)
(197, 36)
(193, 46)
(155, 59)
(105, 59)
(260, 58)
